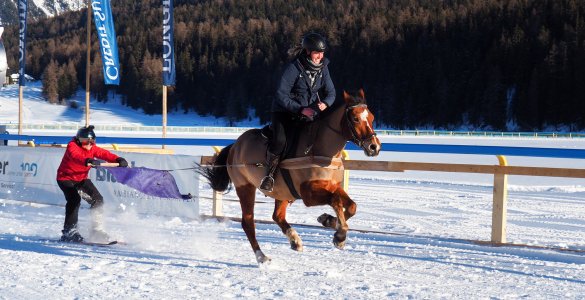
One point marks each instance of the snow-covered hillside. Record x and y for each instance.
(38, 9)
(55, 7)
(36, 110)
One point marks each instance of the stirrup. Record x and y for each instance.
(267, 184)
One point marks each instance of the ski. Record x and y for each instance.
(96, 244)
(99, 244)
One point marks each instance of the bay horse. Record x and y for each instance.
(314, 170)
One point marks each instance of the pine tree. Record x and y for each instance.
(50, 82)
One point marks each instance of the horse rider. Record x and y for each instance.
(304, 90)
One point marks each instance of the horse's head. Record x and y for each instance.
(359, 122)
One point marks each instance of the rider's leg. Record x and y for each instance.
(275, 149)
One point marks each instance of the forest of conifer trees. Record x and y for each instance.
(481, 64)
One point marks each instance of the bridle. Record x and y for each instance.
(354, 135)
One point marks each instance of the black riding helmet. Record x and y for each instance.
(85, 133)
(314, 42)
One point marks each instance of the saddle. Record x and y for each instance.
(289, 162)
(291, 142)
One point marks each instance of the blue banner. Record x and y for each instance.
(22, 10)
(168, 70)
(104, 23)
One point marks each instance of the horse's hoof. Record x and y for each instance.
(327, 220)
(339, 240)
(339, 245)
(296, 246)
(261, 258)
(295, 240)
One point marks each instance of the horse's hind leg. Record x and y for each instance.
(345, 208)
(247, 195)
(279, 216)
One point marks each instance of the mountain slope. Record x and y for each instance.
(37, 9)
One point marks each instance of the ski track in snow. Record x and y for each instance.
(207, 259)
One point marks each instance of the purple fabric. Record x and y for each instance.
(158, 183)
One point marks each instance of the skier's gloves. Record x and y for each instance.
(122, 162)
(93, 162)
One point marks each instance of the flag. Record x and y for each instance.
(158, 183)
(104, 23)
(22, 11)
(168, 44)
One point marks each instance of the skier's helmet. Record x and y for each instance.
(85, 133)
(314, 42)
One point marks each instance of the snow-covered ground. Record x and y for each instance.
(431, 219)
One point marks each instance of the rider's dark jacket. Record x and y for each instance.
(294, 91)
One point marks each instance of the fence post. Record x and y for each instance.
(500, 202)
(217, 209)
(345, 183)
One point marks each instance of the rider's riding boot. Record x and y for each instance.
(268, 181)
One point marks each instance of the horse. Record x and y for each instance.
(314, 171)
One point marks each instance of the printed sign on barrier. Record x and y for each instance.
(29, 174)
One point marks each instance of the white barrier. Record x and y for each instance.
(238, 130)
(29, 174)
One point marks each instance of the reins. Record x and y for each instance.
(258, 165)
(348, 122)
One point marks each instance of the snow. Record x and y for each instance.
(415, 236)
(37, 111)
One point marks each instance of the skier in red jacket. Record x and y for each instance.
(78, 159)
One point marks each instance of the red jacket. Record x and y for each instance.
(73, 165)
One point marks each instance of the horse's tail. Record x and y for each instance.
(217, 174)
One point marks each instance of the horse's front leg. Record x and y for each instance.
(279, 216)
(349, 209)
(321, 192)
(344, 208)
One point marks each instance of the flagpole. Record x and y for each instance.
(20, 94)
(164, 114)
(168, 59)
(88, 63)
(22, 12)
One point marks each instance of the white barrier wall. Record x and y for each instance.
(29, 174)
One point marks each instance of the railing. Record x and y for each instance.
(212, 129)
(125, 127)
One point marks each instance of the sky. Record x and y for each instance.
(412, 237)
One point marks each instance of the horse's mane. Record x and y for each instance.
(338, 103)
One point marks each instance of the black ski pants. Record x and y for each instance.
(71, 190)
